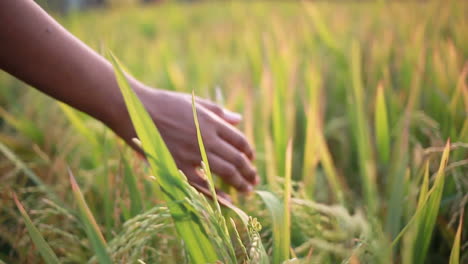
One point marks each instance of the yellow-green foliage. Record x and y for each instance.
(373, 97)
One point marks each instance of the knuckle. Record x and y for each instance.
(244, 186)
(230, 171)
(240, 142)
(250, 172)
(249, 151)
(237, 182)
(190, 157)
(244, 145)
(206, 119)
(217, 109)
(239, 160)
(231, 176)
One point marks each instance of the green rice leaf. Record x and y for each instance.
(170, 180)
(316, 148)
(78, 123)
(311, 156)
(286, 226)
(381, 126)
(426, 221)
(424, 187)
(136, 201)
(91, 227)
(206, 164)
(29, 173)
(44, 249)
(361, 130)
(426, 213)
(275, 207)
(455, 254)
(24, 126)
(323, 31)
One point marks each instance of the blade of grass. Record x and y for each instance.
(400, 153)
(78, 123)
(24, 126)
(323, 32)
(275, 207)
(270, 161)
(196, 241)
(327, 162)
(136, 201)
(426, 222)
(420, 209)
(30, 174)
(98, 153)
(361, 131)
(426, 212)
(381, 126)
(281, 213)
(460, 91)
(286, 227)
(279, 131)
(20, 164)
(311, 156)
(44, 249)
(424, 187)
(408, 238)
(205, 164)
(206, 169)
(455, 254)
(91, 227)
(316, 149)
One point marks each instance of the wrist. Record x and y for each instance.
(118, 116)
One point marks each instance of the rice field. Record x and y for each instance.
(358, 113)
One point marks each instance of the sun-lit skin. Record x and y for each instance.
(45, 55)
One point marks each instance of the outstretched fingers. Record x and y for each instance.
(196, 180)
(236, 139)
(238, 159)
(229, 173)
(228, 116)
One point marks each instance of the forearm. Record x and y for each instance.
(37, 50)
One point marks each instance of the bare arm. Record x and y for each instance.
(37, 50)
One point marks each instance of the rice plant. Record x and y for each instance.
(357, 111)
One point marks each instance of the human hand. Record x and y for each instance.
(228, 151)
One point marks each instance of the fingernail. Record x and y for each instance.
(249, 188)
(232, 116)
